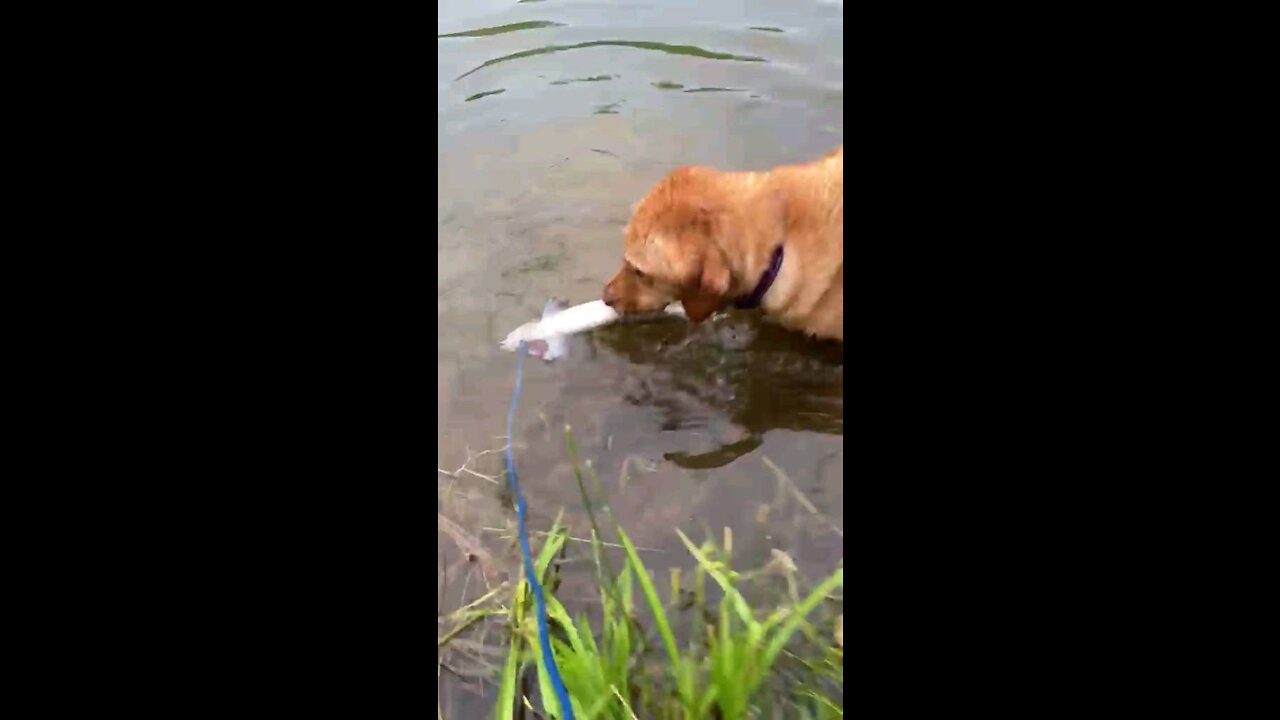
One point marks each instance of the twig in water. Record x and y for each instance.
(782, 477)
(464, 469)
(471, 547)
(544, 533)
(478, 600)
(441, 642)
(623, 477)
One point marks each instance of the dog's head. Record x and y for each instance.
(673, 249)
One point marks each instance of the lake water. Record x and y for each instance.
(555, 117)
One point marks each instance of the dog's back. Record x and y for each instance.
(810, 296)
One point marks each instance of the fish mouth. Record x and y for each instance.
(537, 348)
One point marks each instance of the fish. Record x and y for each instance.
(550, 345)
(546, 338)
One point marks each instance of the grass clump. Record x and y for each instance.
(746, 646)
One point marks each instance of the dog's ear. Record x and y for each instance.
(707, 293)
(763, 225)
(699, 305)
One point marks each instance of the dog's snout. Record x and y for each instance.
(609, 296)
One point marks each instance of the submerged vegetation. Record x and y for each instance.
(709, 641)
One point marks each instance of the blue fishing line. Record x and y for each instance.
(549, 660)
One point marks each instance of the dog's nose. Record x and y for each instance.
(608, 297)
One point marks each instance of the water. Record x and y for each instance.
(555, 117)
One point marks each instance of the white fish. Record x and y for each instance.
(546, 337)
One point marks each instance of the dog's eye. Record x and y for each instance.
(638, 273)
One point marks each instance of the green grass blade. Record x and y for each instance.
(596, 708)
(625, 590)
(582, 675)
(686, 684)
(582, 491)
(588, 639)
(651, 597)
(550, 705)
(556, 612)
(555, 540)
(780, 638)
(704, 709)
(829, 708)
(731, 594)
(507, 685)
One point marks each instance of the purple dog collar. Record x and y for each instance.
(766, 281)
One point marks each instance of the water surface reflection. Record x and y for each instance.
(754, 374)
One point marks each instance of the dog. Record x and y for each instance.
(773, 240)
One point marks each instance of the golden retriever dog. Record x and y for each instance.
(773, 240)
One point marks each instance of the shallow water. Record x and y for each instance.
(555, 117)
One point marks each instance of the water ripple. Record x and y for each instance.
(486, 93)
(596, 78)
(689, 50)
(498, 30)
